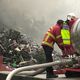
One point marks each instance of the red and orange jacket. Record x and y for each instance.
(53, 35)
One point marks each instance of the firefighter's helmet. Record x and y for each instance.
(71, 16)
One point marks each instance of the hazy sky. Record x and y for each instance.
(14, 13)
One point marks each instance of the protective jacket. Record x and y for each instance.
(62, 37)
(52, 36)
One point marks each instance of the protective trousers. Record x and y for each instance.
(48, 53)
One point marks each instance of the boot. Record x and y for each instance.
(51, 75)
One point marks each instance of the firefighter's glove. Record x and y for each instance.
(68, 51)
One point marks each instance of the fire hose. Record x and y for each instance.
(37, 66)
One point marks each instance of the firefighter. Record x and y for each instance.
(60, 33)
(71, 20)
(67, 43)
(53, 35)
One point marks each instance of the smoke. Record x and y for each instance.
(34, 17)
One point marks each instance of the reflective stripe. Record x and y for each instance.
(50, 29)
(66, 41)
(46, 41)
(50, 35)
(49, 44)
(46, 37)
(65, 36)
(58, 36)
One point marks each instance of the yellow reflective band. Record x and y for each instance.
(58, 36)
(50, 35)
(46, 37)
(49, 44)
(66, 42)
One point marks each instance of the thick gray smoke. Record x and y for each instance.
(34, 17)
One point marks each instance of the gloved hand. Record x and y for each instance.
(68, 50)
